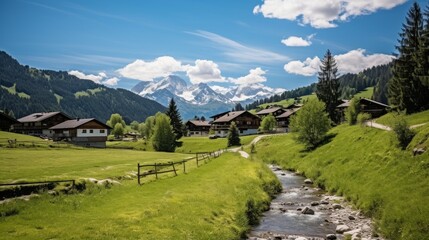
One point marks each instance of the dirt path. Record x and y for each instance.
(387, 128)
(243, 153)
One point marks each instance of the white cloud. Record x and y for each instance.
(92, 77)
(351, 62)
(294, 41)
(255, 75)
(147, 71)
(321, 14)
(204, 71)
(309, 67)
(240, 52)
(111, 81)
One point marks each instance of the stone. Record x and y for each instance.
(307, 211)
(92, 180)
(308, 181)
(352, 232)
(336, 206)
(301, 238)
(315, 203)
(324, 202)
(356, 236)
(351, 218)
(299, 209)
(418, 151)
(342, 228)
(331, 237)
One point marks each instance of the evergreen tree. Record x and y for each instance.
(233, 135)
(175, 119)
(202, 118)
(163, 138)
(406, 90)
(238, 107)
(328, 86)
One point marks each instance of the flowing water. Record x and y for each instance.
(285, 218)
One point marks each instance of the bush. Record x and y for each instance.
(352, 111)
(311, 124)
(402, 131)
(363, 117)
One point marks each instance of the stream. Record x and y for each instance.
(304, 212)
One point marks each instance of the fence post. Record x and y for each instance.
(156, 172)
(196, 157)
(138, 173)
(174, 168)
(184, 166)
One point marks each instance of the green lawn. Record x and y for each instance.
(412, 119)
(204, 144)
(23, 140)
(214, 201)
(367, 93)
(288, 101)
(365, 166)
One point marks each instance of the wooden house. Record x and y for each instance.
(275, 111)
(247, 123)
(219, 115)
(38, 124)
(198, 128)
(6, 122)
(283, 120)
(83, 132)
(374, 108)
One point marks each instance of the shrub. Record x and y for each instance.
(352, 111)
(311, 124)
(363, 117)
(402, 131)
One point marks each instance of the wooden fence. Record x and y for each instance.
(159, 168)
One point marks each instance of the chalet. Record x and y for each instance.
(218, 115)
(275, 111)
(39, 123)
(6, 122)
(294, 106)
(283, 120)
(198, 128)
(247, 123)
(374, 108)
(83, 132)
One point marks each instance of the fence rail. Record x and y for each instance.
(158, 167)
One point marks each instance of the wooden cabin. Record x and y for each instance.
(39, 124)
(246, 122)
(198, 128)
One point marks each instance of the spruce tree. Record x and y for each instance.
(406, 91)
(328, 86)
(233, 135)
(175, 119)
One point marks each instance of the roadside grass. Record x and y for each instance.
(204, 144)
(140, 144)
(367, 93)
(365, 166)
(36, 164)
(211, 202)
(412, 119)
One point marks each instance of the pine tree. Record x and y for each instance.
(406, 91)
(233, 136)
(175, 119)
(328, 86)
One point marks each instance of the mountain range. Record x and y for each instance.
(25, 90)
(201, 99)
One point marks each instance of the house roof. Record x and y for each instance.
(75, 123)
(288, 113)
(200, 123)
(268, 111)
(345, 104)
(231, 116)
(294, 105)
(37, 117)
(219, 114)
(375, 102)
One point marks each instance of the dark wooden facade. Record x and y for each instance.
(39, 123)
(246, 122)
(6, 122)
(198, 128)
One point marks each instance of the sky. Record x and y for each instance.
(224, 43)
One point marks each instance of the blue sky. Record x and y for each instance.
(223, 42)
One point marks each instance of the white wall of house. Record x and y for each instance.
(48, 132)
(222, 133)
(91, 132)
(198, 133)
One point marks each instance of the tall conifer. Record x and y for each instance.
(175, 119)
(328, 86)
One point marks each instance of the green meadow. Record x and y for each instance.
(366, 167)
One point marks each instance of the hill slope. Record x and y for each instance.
(365, 166)
(26, 90)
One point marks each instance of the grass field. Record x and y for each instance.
(366, 167)
(288, 101)
(214, 201)
(204, 144)
(412, 119)
(367, 93)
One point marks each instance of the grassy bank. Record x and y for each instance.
(413, 119)
(211, 202)
(366, 167)
(204, 144)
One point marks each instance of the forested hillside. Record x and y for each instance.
(24, 90)
(350, 84)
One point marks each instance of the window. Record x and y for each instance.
(249, 123)
(241, 131)
(91, 131)
(102, 131)
(84, 131)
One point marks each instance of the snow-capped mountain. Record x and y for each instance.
(201, 99)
